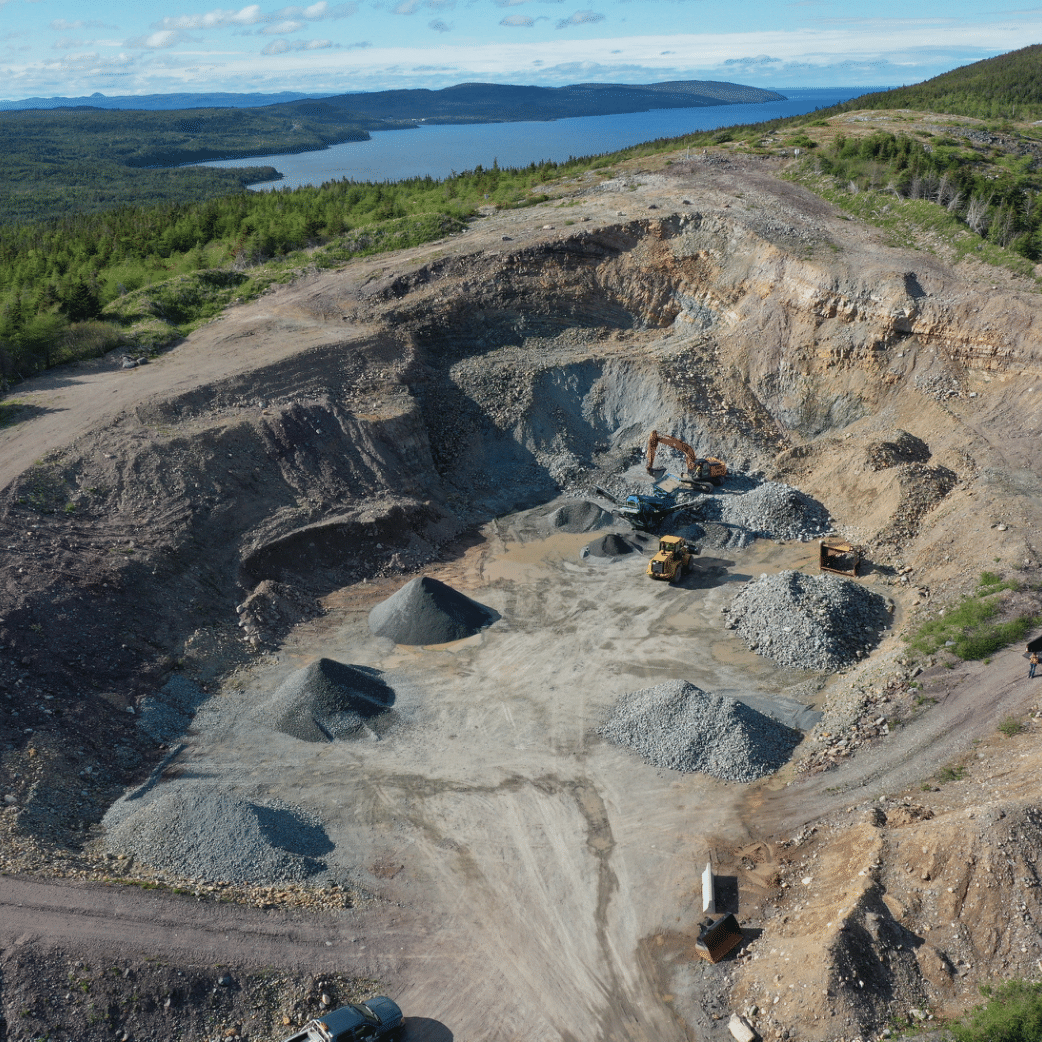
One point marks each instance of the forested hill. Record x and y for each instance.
(498, 102)
(1006, 87)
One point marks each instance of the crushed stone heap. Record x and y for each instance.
(611, 545)
(199, 832)
(681, 727)
(426, 611)
(809, 621)
(328, 700)
(578, 516)
(770, 511)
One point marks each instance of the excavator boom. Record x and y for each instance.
(710, 468)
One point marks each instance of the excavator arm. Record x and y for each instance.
(712, 468)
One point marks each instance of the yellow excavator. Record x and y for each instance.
(702, 473)
(674, 555)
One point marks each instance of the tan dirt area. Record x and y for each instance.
(182, 539)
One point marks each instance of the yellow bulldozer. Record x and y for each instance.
(674, 555)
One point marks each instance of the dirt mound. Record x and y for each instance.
(426, 611)
(612, 545)
(328, 700)
(580, 516)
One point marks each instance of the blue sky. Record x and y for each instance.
(77, 47)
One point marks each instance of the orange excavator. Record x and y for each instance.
(702, 473)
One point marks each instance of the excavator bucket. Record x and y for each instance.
(718, 938)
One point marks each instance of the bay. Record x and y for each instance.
(440, 150)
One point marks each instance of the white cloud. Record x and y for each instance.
(317, 12)
(439, 26)
(62, 26)
(760, 59)
(286, 46)
(517, 19)
(407, 6)
(580, 18)
(158, 40)
(282, 27)
(217, 19)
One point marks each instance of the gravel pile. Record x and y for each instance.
(808, 621)
(684, 728)
(201, 833)
(578, 516)
(328, 700)
(769, 511)
(611, 546)
(165, 716)
(426, 611)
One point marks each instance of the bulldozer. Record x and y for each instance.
(702, 472)
(673, 557)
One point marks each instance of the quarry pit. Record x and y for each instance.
(185, 539)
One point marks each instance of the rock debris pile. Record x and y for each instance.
(612, 546)
(808, 621)
(198, 832)
(681, 727)
(328, 700)
(426, 611)
(769, 511)
(578, 516)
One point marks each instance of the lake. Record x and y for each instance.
(441, 150)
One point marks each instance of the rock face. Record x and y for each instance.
(426, 611)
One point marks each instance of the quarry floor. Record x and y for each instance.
(528, 858)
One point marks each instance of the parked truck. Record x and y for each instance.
(374, 1020)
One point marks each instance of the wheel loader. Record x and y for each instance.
(673, 557)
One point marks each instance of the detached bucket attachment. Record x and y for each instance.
(839, 556)
(718, 938)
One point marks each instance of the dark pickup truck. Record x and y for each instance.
(371, 1021)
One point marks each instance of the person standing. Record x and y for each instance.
(1032, 664)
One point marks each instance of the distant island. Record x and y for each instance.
(462, 103)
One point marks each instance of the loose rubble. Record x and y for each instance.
(808, 621)
(681, 727)
(426, 611)
(328, 700)
(198, 832)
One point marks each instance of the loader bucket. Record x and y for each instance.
(717, 939)
(839, 556)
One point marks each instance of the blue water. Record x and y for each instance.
(392, 155)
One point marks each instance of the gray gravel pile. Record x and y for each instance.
(165, 716)
(578, 516)
(769, 511)
(612, 546)
(681, 727)
(328, 700)
(808, 621)
(202, 833)
(426, 611)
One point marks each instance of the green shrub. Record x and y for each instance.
(1011, 726)
(1013, 1013)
